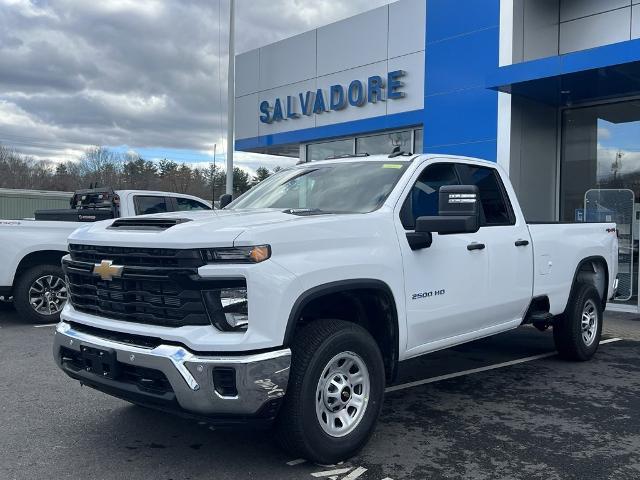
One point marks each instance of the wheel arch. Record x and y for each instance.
(593, 270)
(38, 257)
(363, 296)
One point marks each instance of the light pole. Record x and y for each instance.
(213, 177)
(231, 96)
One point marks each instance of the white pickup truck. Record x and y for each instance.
(32, 249)
(296, 302)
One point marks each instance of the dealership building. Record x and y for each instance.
(548, 89)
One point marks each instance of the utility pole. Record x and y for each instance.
(231, 96)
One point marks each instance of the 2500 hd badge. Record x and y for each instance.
(432, 293)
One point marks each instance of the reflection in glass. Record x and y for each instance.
(322, 151)
(384, 143)
(601, 149)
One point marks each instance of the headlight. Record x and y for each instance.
(255, 254)
(228, 308)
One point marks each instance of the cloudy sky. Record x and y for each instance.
(143, 75)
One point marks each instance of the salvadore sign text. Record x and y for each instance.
(338, 97)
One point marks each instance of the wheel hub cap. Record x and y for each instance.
(589, 323)
(345, 395)
(342, 394)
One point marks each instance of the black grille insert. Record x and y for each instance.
(157, 286)
(157, 301)
(140, 257)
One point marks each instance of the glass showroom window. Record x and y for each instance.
(600, 177)
(322, 151)
(384, 143)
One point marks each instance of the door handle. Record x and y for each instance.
(475, 246)
(522, 243)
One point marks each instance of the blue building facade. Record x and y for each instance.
(460, 114)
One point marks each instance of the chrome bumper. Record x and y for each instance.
(260, 378)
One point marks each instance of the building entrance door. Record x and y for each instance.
(600, 179)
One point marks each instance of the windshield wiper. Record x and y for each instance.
(306, 211)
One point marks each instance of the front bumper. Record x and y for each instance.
(260, 379)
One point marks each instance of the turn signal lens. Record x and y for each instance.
(260, 254)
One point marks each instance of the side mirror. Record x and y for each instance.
(419, 240)
(225, 200)
(459, 211)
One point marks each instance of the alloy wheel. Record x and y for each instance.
(48, 294)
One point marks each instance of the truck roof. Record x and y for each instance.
(152, 192)
(400, 158)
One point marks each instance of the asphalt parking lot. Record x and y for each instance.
(501, 408)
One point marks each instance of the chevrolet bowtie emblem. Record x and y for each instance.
(106, 270)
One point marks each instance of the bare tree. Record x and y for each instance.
(108, 168)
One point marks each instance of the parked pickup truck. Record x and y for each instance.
(296, 302)
(32, 249)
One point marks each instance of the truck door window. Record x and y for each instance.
(148, 204)
(423, 197)
(497, 210)
(186, 204)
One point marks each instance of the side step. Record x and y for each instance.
(536, 317)
(540, 320)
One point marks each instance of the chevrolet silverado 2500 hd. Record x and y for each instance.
(32, 249)
(296, 302)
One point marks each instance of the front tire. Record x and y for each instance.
(335, 392)
(40, 293)
(577, 331)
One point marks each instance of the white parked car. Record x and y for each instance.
(296, 302)
(32, 248)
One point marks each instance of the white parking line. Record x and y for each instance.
(481, 369)
(355, 474)
(45, 325)
(610, 340)
(297, 461)
(331, 473)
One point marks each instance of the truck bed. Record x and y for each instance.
(559, 246)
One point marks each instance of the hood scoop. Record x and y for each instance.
(153, 224)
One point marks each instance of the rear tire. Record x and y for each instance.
(577, 331)
(335, 392)
(40, 293)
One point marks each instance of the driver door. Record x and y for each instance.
(445, 284)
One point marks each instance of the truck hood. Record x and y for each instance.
(212, 228)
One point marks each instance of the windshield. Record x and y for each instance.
(348, 187)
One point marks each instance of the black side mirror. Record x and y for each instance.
(225, 200)
(459, 211)
(419, 240)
